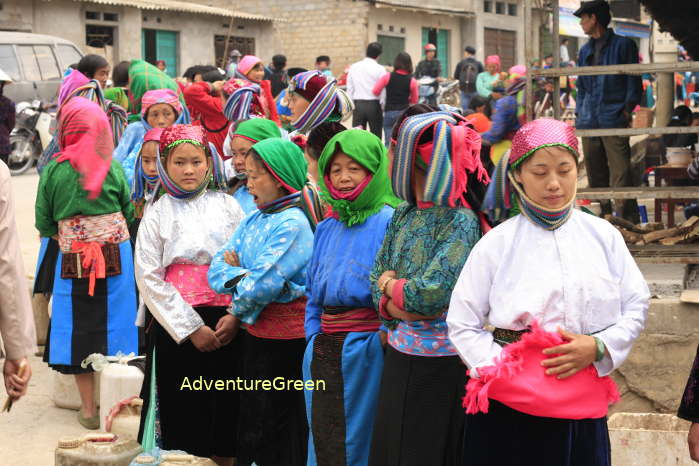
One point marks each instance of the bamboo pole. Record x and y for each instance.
(228, 41)
(529, 58)
(556, 61)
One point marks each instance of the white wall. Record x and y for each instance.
(413, 22)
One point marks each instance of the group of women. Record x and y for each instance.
(325, 256)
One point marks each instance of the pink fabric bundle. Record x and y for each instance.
(518, 71)
(70, 83)
(519, 381)
(544, 132)
(193, 285)
(85, 141)
(160, 96)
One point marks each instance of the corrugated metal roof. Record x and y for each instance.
(185, 7)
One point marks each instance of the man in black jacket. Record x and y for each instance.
(466, 72)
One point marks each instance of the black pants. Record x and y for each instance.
(368, 112)
(608, 163)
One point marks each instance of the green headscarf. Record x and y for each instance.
(287, 164)
(285, 160)
(257, 129)
(368, 151)
(144, 77)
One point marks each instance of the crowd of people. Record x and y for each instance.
(232, 228)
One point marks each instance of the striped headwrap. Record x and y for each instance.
(327, 103)
(172, 137)
(92, 90)
(506, 198)
(142, 182)
(452, 154)
(243, 101)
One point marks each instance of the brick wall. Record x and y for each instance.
(337, 28)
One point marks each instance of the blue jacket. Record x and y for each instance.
(602, 99)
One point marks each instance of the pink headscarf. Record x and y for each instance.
(70, 83)
(493, 60)
(160, 96)
(518, 71)
(85, 141)
(247, 63)
(540, 133)
(153, 135)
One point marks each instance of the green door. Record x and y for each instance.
(160, 45)
(166, 49)
(440, 38)
(392, 46)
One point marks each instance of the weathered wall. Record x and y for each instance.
(505, 22)
(654, 375)
(413, 24)
(16, 15)
(337, 28)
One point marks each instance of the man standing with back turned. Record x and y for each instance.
(361, 80)
(606, 101)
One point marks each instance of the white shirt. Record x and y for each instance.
(580, 277)
(565, 55)
(362, 78)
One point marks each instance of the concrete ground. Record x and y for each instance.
(31, 430)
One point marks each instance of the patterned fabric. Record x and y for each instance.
(72, 79)
(119, 96)
(171, 137)
(143, 183)
(144, 77)
(505, 197)
(85, 142)
(368, 151)
(160, 96)
(689, 407)
(102, 229)
(280, 321)
(191, 282)
(428, 247)
(328, 104)
(60, 196)
(274, 250)
(243, 100)
(451, 156)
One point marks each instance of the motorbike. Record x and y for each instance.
(30, 136)
(447, 93)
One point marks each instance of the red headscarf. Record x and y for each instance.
(85, 141)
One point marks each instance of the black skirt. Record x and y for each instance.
(202, 422)
(273, 427)
(419, 420)
(508, 437)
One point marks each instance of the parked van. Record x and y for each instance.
(35, 63)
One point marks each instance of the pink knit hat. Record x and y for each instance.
(492, 60)
(247, 63)
(544, 132)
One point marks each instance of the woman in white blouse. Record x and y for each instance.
(567, 302)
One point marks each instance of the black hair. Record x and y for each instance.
(603, 16)
(478, 101)
(120, 74)
(681, 116)
(416, 109)
(319, 137)
(89, 64)
(192, 71)
(212, 76)
(374, 50)
(323, 58)
(294, 71)
(695, 116)
(564, 40)
(403, 62)
(279, 61)
(470, 50)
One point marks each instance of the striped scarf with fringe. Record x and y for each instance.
(330, 104)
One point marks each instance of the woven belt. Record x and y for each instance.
(504, 336)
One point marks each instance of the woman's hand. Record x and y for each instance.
(572, 357)
(693, 441)
(15, 385)
(400, 314)
(227, 328)
(205, 340)
(231, 258)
